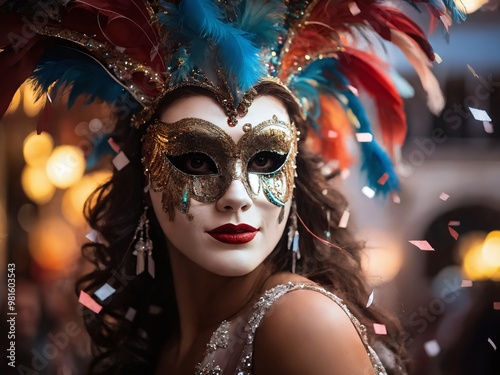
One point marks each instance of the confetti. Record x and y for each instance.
(130, 314)
(437, 58)
(369, 192)
(492, 343)
(354, 8)
(104, 291)
(453, 233)
(453, 223)
(395, 198)
(432, 348)
(496, 305)
(344, 219)
(480, 114)
(488, 127)
(92, 236)
(113, 145)
(370, 299)
(120, 161)
(345, 173)
(88, 302)
(379, 329)
(444, 197)
(472, 71)
(466, 284)
(154, 310)
(383, 179)
(364, 137)
(332, 134)
(422, 245)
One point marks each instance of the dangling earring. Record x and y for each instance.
(293, 237)
(144, 246)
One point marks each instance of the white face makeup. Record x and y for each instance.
(232, 230)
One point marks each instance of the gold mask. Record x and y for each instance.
(193, 158)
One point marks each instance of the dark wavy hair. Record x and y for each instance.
(122, 345)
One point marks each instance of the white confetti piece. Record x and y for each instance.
(395, 198)
(432, 348)
(437, 58)
(104, 291)
(130, 314)
(364, 137)
(492, 343)
(472, 71)
(332, 134)
(380, 329)
(370, 299)
(480, 114)
(422, 245)
(466, 284)
(88, 302)
(345, 173)
(444, 197)
(92, 236)
(488, 127)
(369, 192)
(354, 8)
(344, 219)
(120, 160)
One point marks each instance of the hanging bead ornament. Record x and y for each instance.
(144, 246)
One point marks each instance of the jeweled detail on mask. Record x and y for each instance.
(193, 158)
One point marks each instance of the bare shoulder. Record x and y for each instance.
(305, 332)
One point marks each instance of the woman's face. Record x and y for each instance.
(222, 194)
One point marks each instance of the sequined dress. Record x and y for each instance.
(237, 336)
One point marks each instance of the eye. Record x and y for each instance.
(194, 163)
(266, 162)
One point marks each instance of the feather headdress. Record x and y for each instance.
(136, 51)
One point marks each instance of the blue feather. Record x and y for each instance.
(324, 77)
(65, 67)
(263, 20)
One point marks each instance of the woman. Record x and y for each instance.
(247, 269)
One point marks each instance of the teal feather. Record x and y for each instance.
(66, 67)
(323, 77)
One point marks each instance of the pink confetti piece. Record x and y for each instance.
(130, 314)
(453, 233)
(380, 329)
(466, 283)
(332, 134)
(492, 343)
(383, 179)
(496, 305)
(472, 71)
(120, 160)
(114, 145)
(488, 127)
(369, 192)
(354, 8)
(88, 302)
(395, 198)
(432, 348)
(444, 197)
(364, 137)
(104, 291)
(422, 245)
(344, 219)
(370, 299)
(454, 223)
(480, 114)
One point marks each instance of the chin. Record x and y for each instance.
(235, 268)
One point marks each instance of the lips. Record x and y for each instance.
(234, 234)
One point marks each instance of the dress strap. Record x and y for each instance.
(272, 295)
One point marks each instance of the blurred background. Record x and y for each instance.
(444, 284)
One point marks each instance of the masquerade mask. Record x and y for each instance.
(193, 158)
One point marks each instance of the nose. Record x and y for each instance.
(235, 198)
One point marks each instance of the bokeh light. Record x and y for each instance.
(14, 104)
(37, 149)
(65, 166)
(36, 184)
(31, 105)
(480, 254)
(74, 198)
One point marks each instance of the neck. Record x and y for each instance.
(205, 299)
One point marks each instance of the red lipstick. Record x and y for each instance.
(234, 234)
